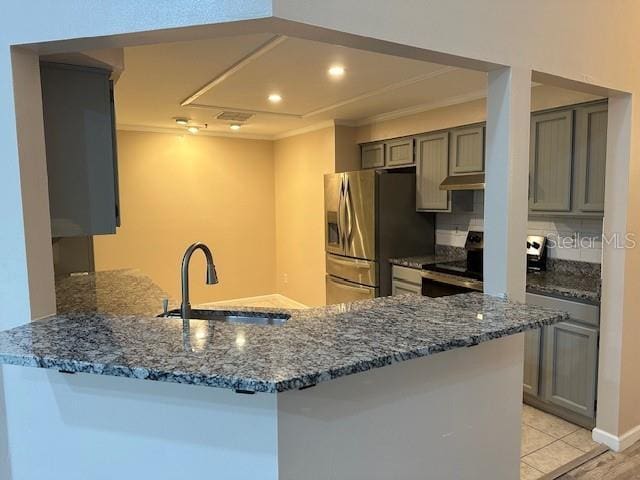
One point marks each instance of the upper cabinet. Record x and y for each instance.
(590, 157)
(550, 161)
(432, 166)
(372, 155)
(390, 153)
(80, 140)
(566, 164)
(399, 152)
(567, 161)
(467, 150)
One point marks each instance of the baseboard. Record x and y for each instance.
(239, 301)
(617, 444)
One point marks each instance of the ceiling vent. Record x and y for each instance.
(234, 116)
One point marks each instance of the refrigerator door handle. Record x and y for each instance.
(348, 214)
(341, 214)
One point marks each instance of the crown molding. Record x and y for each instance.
(182, 131)
(424, 107)
(307, 129)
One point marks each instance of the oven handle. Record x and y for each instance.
(452, 280)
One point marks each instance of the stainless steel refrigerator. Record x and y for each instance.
(370, 216)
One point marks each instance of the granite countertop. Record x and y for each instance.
(314, 345)
(570, 286)
(418, 262)
(119, 292)
(575, 283)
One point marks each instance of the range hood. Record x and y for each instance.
(469, 181)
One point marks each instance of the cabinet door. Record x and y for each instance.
(532, 362)
(467, 150)
(79, 140)
(399, 152)
(590, 158)
(398, 287)
(372, 155)
(570, 367)
(550, 161)
(432, 167)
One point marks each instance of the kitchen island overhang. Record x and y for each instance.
(455, 414)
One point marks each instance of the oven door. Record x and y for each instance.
(435, 284)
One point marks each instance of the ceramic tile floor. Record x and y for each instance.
(548, 442)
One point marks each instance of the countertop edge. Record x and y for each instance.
(70, 366)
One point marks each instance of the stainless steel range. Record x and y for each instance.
(465, 275)
(456, 276)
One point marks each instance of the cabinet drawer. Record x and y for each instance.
(399, 287)
(399, 152)
(406, 274)
(580, 312)
(372, 155)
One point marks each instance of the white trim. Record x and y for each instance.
(380, 91)
(617, 444)
(182, 131)
(243, 110)
(258, 52)
(404, 112)
(307, 129)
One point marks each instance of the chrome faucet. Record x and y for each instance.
(212, 276)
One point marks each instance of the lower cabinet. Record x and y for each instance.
(561, 362)
(405, 280)
(570, 367)
(531, 379)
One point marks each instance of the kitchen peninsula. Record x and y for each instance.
(451, 410)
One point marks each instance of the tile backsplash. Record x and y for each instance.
(572, 238)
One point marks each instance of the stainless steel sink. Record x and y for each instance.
(236, 317)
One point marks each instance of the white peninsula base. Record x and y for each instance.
(454, 415)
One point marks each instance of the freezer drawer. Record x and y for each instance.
(342, 291)
(352, 269)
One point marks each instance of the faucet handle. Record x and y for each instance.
(165, 306)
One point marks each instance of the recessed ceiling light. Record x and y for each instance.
(336, 71)
(275, 98)
(193, 130)
(182, 121)
(234, 126)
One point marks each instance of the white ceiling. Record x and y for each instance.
(241, 74)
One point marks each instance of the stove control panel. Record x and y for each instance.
(536, 252)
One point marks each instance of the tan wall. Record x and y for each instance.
(300, 163)
(347, 150)
(542, 97)
(177, 189)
